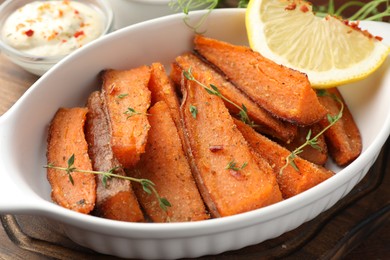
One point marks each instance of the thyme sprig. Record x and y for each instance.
(147, 185)
(374, 10)
(190, 5)
(313, 141)
(213, 90)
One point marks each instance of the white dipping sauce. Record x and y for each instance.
(52, 28)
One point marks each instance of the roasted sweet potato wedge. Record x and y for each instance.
(343, 138)
(284, 92)
(317, 154)
(227, 174)
(127, 99)
(165, 164)
(66, 138)
(163, 89)
(263, 120)
(290, 180)
(115, 198)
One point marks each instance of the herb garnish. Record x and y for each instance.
(147, 185)
(232, 165)
(370, 11)
(132, 112)
(122, 95)
(193, 111)
(213, 90)
(189, 5)
(313, 141)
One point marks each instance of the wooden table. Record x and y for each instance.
(357, 227)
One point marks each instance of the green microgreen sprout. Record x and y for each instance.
(147, 185)
(213, 90)
(232, 165)
(313, 141)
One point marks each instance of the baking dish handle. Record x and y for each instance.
(13, 197)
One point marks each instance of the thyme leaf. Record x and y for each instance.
(147, 185)
(193, 111)
(122, 95)
(132, 112)
(232, 165)
(313, 141)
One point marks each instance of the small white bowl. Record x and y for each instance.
(128, 12)
(38, 65)
(23, 136)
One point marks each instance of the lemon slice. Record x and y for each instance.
(329, 50)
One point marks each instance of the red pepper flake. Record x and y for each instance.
(304, 8)
(291, 7)
(29, 33)
(78, 33)
(76, 12)
(378, 38)
(237, 175)
(215, 148)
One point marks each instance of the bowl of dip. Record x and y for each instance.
(37, 34)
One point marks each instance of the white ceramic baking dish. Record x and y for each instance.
(23, 132)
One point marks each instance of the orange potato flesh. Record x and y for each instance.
(265, 121)
(162, 89)
(212, 142)
(66, 138)
(318, 155)
(291, 181)
(343, 138)
(165, 164)
(116, 199)
(284, 92)
(124, 90)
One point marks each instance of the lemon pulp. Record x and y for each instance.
(329, 50)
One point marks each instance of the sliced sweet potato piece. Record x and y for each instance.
(66, 138)
(318, 154)
(291, 181)
(163, 89)
(115, 198)
(343, 138)
(127, 98)
(165, 164)
(265, 122)
(227, 174)
(284, 92)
